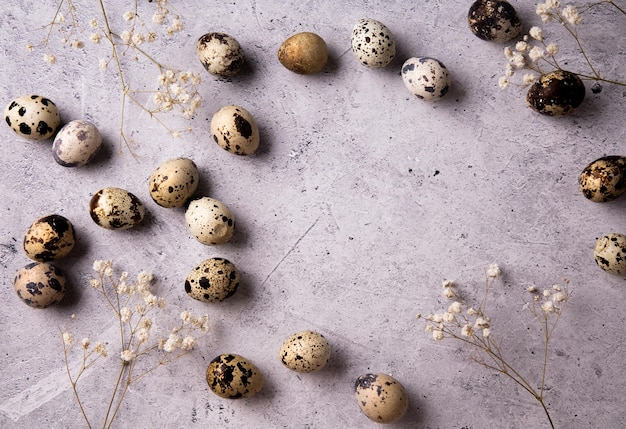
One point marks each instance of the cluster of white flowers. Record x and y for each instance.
(550, 300)
(178, 89)
(551, 10)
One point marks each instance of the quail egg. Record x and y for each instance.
(174, 182)
(372, 43)
(77, 143)
(381, 397)
(610, 253)
(115, 208)
(305, 351)
(604, 179)
(33, 117)
(220, 54)
(304, 53)
(235, 130)
(232, 376)
(48, 238)
(210, 221)
(557, 93)
(40, 284)
(213, 280)
(426, 78)
(494, 20)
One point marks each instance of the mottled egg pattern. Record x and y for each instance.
(77, 143)
(305, 351)
(556, 93)
(40, 284)
(213, 280)
(372, 43)
(48, 238)
(33, 117)
(174, 182)
(381, 397)
(304, 53)
(220, 54)
(495, 21)
(235, 130)
(115, 208)
(426, 78)
(210, 221)
(610, 253)
(604, 179)
(232, 376)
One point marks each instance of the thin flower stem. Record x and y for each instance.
(113, 395)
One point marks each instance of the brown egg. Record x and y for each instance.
(304, 53)
(604, 179)
(49, 238)
(232, 376)
(493, 20)
(40, 284)
(557, 93)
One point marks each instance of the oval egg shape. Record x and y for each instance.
(304, 53)
(49, 238)
(173, 183)
(494, 20)
(33, 117)
(372, 43)
(604, 179)
(610, 253)
(305, 351)
(426, 78)
(213, 280)
(232, 376)
(116, 208)
(40, 284)
(76, 144)
(381, 397)
(234, 129)
(210, 221)
(557, 93)
(220, 54)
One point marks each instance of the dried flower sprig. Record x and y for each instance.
(135, 308)
(176, 89)
(472, 326)
(535, 55)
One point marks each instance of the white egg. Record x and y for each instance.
(305, 351)
(33, 117)
(426, 78)
(210, 221)
(77, 143)
(235, 130)
(220, 54)
(372, 43)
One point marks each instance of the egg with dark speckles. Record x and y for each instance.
(213, 280)
(40, 284)
(493, 20)
(210, 221)
(116, 208)
(33, 117)
(232, 376)
(173, 183)
(426, 78)
(604, 179)
(49, 238)
(557, 93)
(610, 253)
(77, 143)
(235, 130)
(372, 43)
(220, 54)
(381, 397)
(305, 351)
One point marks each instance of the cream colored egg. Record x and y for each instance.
(372, 43)
(426, 78)
(173, 183)
(40, 284)
(232, 376)
(604, 179)
(213, 280)
(77, 143)
(381, 397)
(33, 117)
(305, 351)
(49, 238)
(220, 54)
(210, 221)
(235, 130)
(610, 253)
(116, 208)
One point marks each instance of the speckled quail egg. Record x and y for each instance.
(610, 253)
(77, 143)
(426, 78)
(494, 20)
(33, 117)
(235, 130)
(304, 53)
(40, 284)
(213, 280)
(604, 179)
(174, 182)
(220, 54)
(115, 208)
(305, 351)
(48, 238)
(232, 376)
(210, 221)
(372, 43)
(557, 93)
(381, 397)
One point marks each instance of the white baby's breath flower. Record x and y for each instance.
(494, 271)
(85, 343)
(518, 60)
(138, 39)
(68, 338)
(126, 314)
(481, 323)
(448, 317)
(455, 307)
(559, 297)
(486, 332)
(128, 355)
(438, 335)
(552, 49)
(93, 22)
(571, 15)
(60, 17)
(547, 293)
(188, 343)
(186, 316)
(536, 33)
(471, 312)
(547, 307)
(103, 64)
(94, 283)
(151, 36)
(529, 78)
(140, 309)
(531, 289)
(128, 15)
(467, 330)
(449, 293)
(101, 349)
(536, 53)
(508, 52)
(503, 82)
(158, 18)
(522, 47)
(49, 58)
(509, 70)
(125, 36)
(95, 37)
(143, 335)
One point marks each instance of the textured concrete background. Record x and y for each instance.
(360, 201)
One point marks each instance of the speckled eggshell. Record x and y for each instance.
(610, 253)
(115, 208)
(33, 117)
(235, 130)
(210, 221)
(173, 183)
(49, 238)
(372, 43)
(426, 78)
(232, 376)
(213, 280)
(305, 351)
(495, 21)
(40, 284)
(557, 93)
(304, 53)
(220, 54)
(381, 397)
(77, 143)
(604, 179)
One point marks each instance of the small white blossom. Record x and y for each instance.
(125, 36)
(93, 22)
(68, 338)
(467, 330)
(494, 271)
(188, 343)
(103, 64)
(522, 47)
(518, 60)
(471, 312)
(536, 33)
(547, 293)
(486, 332)
(101, 349)
(448, 317)
(128, 355)
(529, 78)
(509, 70)
(138, 39)
(438, 335)
(158, 18)
(547, 307)
(559, 297)
(536, 53)
(455, 307)
(571, 15)
(95, 37)
(531, 289)
(128, 15)
(503, 82)
(508, 53)
(126, 314)
(60, 17)
(449, 293)
(49, 59)
(552, 49)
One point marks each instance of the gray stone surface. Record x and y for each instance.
(360, 201)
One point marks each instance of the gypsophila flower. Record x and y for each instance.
(494, 271)
(449, 293)
(552, 49)
(60, 17)
(95, 37)
(535, 54)
(559, 297)
(448, 317)
(438, 335)
(547, 293)
(129, 15)
(126, 314)
(503, 82)
(548, 307)
(158, 18)
(85, 343)
(486, 332)
(125, 36)
(571, 15)
(518, 60)
(49, 59)
(536, 33)
(529, 79)
(67, 338)
(103, 64)
(188, 343)
(481, 323)
(455, 307)
(471, 312)
(467, 330)
(509, 70)
(138, 39)
(128, 355)
(93, 22)
(101, 349)
(522, 47)
(531, 289)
